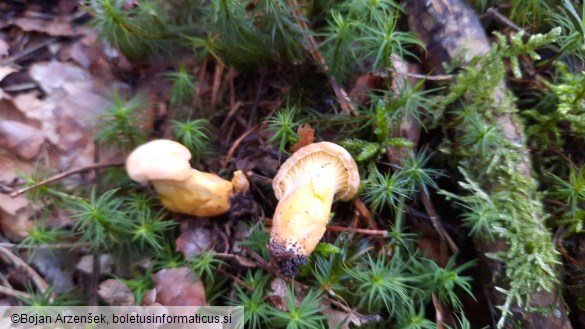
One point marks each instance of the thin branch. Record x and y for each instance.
(14, 293)
(332, 228)
(235, 145)
(312, 47)
(65, 174)
(437, 223)
(438, 77)
(39, 282)
(48, 245)
(493, 12)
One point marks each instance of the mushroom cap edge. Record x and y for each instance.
(353, 177)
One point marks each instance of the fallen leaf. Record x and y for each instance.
(21, 139)
(57, 27)
(306, 137)
(12, 206)
(178, 287)
(56, 266)
(364, 85)
(53, 75)
(15, 227)
(432, 249)
(277, 296)
(115, 293)
(337, 319)
(194, 238)
(85, 264)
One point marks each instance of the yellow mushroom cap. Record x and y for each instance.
(313, 157)
(160, 159)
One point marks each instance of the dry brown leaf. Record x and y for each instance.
(115, 293)
(364, 84)
(85, 264)
(56, 27)
(178, 287)
(69, 112)
(56, 266)
(53, 75)
(277, 297)
(14, 213)
(194, 238)
(14, 217)
(12, 206)
(341, 320)
(306, 137)
(433, 250)
(21, 139)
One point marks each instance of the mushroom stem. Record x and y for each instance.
(306, 185)
(304, 212)
(210, 199)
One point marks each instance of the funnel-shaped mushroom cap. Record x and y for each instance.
(159, 159)
(315, 157)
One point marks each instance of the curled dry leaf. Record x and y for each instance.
(179, 287)
(306, 136)
(115, 293)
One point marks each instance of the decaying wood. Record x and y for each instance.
(454, 32)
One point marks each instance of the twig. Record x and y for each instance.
(439, 312)
(65, 174)
(312, 47)
(219, 68)
(333, 228)
(235, 145)
(365, 213)
(257, 177)
(437, 223)
(438, 77)
(39, 282)
(254, 109)
(53, 246)
(28, 51)
(14, 293)
(493, 12)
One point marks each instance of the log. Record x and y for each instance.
(451, 30)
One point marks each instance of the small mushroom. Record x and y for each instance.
(182, 189)
(306, 185)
